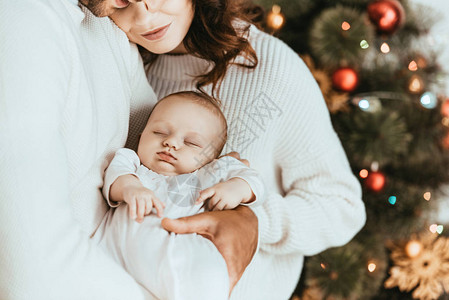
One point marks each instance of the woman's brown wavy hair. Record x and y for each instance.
(212, 36)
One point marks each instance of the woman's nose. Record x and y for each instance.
(153, 5)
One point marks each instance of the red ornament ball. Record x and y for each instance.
(386, 15)
(375, 181)
(345, 79)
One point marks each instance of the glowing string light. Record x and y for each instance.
(363, 173)
(345, 26)
(416, 84)
(275, 18)
(429, 100)
(427, 196)
(364, 44)
(372, 267)
(385, 48)
(364, 104)
(392, 200)
(433, 228)
(413, 66)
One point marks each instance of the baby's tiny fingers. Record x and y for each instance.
(132, 209)
(212, 203)
(140, 209)
(204, 195)
(221, 205)
(148, 206)
(159, 205)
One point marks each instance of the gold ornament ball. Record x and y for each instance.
(413, 248)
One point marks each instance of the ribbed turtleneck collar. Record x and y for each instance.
(179, 67)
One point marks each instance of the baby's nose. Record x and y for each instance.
(171, 143)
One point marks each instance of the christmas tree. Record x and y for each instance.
(383, 86)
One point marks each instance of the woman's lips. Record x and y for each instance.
(121, 3)
(157, 33)
(166, 157)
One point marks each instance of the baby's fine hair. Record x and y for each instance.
(210, 103)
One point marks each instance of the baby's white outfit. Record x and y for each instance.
(171, 266)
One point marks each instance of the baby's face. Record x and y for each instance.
(179, 138)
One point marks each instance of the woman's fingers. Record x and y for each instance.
(233, 232)
(200, 224)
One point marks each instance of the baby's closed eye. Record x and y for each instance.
(191, 143)
(159, 133)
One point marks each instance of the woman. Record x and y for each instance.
(277, 120)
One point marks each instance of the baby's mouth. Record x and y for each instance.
(166, 156)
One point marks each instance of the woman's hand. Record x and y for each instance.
(233, 232)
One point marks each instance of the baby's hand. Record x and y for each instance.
(226, 195)
(140, 201)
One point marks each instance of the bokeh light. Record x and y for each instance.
(363, 173)
(364, 44)
(385, 48)
(372, 267)
(429, 100)
(413, 66)
(345, 26)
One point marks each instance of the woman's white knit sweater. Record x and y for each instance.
(277, 119)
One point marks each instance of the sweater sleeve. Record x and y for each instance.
(44, 254)
(227, 167)
(320, 205)
(125, 162)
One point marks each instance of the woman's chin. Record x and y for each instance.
(162, 49)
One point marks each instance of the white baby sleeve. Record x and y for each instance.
(228, 167)
(124, 162)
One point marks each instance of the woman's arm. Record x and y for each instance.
(321, 206)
